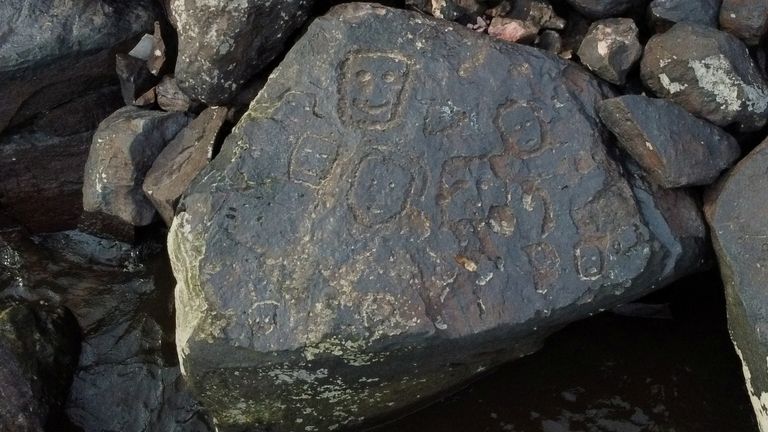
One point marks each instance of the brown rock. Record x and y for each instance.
(513, 30)
(170, 97)
(182, 160)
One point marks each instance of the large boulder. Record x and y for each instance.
(665, 13)
(399, 217)
(747, 19)
(222, 44)
(736, 211)
(709, 73)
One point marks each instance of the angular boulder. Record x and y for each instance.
(38, 354)
(611, 49)
(746, 19)
(384, 225)
(675, 148)
(665, 13)
(181, 160)
(223, 44)
(124, 147)
(709, 73)
(736, 211)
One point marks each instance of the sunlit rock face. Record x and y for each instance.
(417, 205)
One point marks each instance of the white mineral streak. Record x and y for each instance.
(185, 253)
(759, 404)
(716, 75)
(672, 87)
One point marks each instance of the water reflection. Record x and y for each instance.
(672, 369)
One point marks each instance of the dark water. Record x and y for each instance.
(614, 373)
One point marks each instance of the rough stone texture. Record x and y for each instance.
(603, 8)
(123, 149)
(513, 30)
(665, 13)
(675, 148)
(386, 224)
(32, 38)
(611, 49)
(38, 354)
(222, 44)
(448, 9)
(747, 19)
(182, 160)
(170, 97)
(42, 164)
(709, 73)
(735, 211)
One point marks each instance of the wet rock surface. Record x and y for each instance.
(222, 44)
(665, 13)
(123, 149)
(747, 19)
(38, 354)
(675, 148)
(611, 49)
(181, 160)
(382, 218)
(709, 73)
(734, 211)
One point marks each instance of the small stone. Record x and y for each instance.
(143, 49)
(536, 12)
(124, 147)
(664, 14)
(181, 160)
(611, 49)
(674, 148)
(170, 97)
(156, 59)
(513, 30)
(746, 19)
(735, 209)
(603, 8)
(135, 79)
(550, 40)
(709, 73)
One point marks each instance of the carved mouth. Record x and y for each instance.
(374, 110)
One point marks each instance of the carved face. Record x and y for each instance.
(372, 89)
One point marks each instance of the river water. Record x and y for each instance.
(666, 368)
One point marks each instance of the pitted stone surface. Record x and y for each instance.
(223, 43)
(709, 73)
(384, 225)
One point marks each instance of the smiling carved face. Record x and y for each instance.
(372, 89)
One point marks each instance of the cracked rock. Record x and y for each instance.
(611, 49)
(372, 235)
(709, 73)
(223, 44)
(123, 149)
(674, 148)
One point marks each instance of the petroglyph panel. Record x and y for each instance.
(313, 159)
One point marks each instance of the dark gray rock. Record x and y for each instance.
(735, 211)
(37, 32)
(170, 97)
(709, 73)
(611, 49)
(182, 160)
(550, 40)
(123, 149)
(746, 19)
(675, 148)
(384, 225)
(223, 44)
(665, 13)
(127, 377)
(604, 8)
(39, 346)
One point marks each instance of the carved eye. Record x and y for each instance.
(388, 76)
(364, 76)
